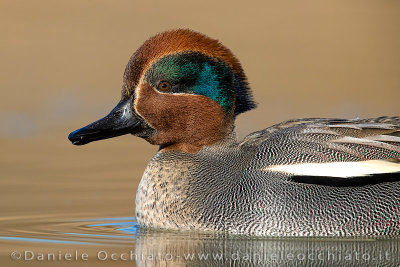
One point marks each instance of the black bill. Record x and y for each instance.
(120, 121)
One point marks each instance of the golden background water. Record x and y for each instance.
(61, 65)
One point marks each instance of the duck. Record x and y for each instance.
(321, 177)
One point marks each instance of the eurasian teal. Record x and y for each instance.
(307, 177)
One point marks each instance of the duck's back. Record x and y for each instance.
(327, 176)
(326, 140)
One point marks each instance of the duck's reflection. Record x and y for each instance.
(198, 249)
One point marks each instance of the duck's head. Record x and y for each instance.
(182, 90)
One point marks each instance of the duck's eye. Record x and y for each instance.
(164, 86)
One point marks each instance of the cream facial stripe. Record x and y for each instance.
(339, 169)
(137, 95)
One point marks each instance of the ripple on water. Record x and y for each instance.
(97, 231)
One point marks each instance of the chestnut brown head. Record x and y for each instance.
(182, 90)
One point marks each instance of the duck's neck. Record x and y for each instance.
(228, 138)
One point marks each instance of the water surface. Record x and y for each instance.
(44, 240)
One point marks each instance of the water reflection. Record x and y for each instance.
(174, 248)
(181, 249)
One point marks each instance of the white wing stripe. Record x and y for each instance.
(360, 126)
(384, 138)
(339, 169)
